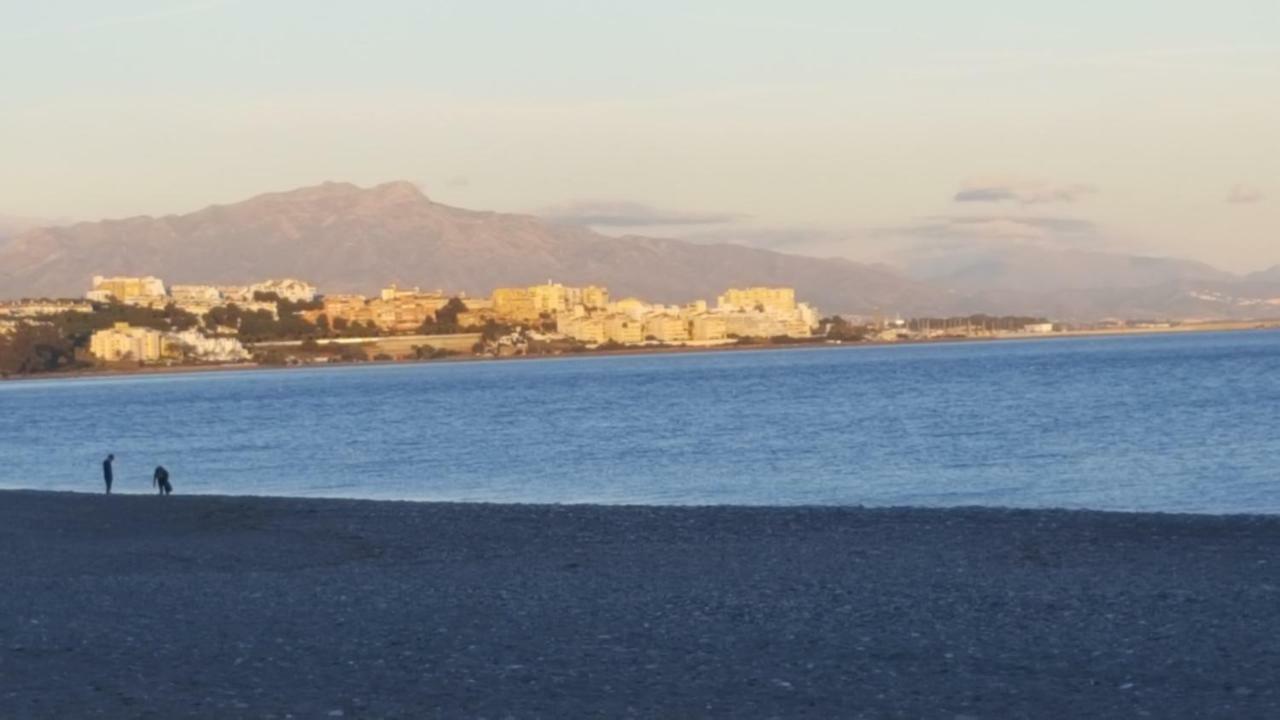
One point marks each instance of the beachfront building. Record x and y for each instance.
(708, 327)
(128, 290)
(666, 328)
(125, 342)
(623, 329)
(584, 329)
(195, 346)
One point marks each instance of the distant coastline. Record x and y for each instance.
(1210, 326)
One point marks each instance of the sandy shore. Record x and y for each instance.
(137, 606)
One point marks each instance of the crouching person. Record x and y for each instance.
(160, 480)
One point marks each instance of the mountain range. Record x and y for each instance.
(345, 238)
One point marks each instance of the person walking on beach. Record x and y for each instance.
(161, 480)
(106, 471)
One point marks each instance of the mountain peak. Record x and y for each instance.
(398, 190)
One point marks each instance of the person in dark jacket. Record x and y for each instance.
(106, 472)
(161, 480)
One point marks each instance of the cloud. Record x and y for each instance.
(619, 213)
(1025, 193)
(1244, 195)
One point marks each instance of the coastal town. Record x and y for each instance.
(131, 323)
(126, 322)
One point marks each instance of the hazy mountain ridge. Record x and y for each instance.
(350, 239)
(344, 239)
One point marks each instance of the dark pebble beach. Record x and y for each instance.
(226, 607)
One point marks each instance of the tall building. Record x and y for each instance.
(128, 290)
(515, 304)
(595, 297)
(768, 299)
(589, 330)
(623, 329)
(708, 327)
(666, 328)
(124, 342)
(554, 297)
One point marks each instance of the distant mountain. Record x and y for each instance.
(350, 239)
(1270, 275)
(1033, 269)
(1072, 284)
(345, 238)
(11, 225)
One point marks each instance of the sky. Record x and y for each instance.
(869, 130)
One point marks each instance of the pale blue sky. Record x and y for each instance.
(826, 127)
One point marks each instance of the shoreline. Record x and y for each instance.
(622, 507)
(1234, 326)
(218, 606)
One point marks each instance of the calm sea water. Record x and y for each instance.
(1169, 422)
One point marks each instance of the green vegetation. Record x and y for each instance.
(427, 352)
(258, 325)
(35, 348)
(837, 328)
(445, 321)
(59, 342)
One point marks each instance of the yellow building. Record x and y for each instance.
(515, 304)
(348, 308)
(140, 290)
(595, 297)
(707, 327)
(666, 328)
(475, 318)
(632, 307)
(776, 299)
(404, 311)
(553, 297)
(623, 329)
(584, 329)
(124, 342)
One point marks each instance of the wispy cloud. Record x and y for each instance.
(621, 213)
(1025, 193)
(1242, 194)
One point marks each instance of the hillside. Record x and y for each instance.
(345, 238)
(350, 239)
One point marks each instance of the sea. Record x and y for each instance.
(1171, 422)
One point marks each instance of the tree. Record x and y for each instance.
(445, 321)
(33, 348)
(837, 328)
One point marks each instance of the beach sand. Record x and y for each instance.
(139, 606)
